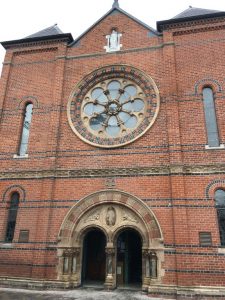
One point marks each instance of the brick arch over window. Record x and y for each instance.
(28, 99)
(207, 82)
(14, 189)
(213, 186)
(136, 213)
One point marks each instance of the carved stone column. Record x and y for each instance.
(146, 269)
(68, 261)
(110, 268)
(75, 266)
(153, 260)
(150, 269)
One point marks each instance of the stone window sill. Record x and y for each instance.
(6, 245)
(221, 250)
(221, 146)
(20, 156)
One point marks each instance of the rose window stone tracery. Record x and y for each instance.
(113, 106)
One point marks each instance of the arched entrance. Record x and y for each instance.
(93, 266)
(92, 237)
(129, 258)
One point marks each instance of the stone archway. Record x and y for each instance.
(110, 211)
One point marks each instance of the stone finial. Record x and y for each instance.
(116, 4)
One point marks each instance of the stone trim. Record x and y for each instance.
(117, 172)
(91, 55)
(220, 147)
(108, 197)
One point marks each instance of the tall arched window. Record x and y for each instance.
(11, 222)
(220, 205)
(210, 118)
(26, 130)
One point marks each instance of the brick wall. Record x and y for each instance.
(46, 74)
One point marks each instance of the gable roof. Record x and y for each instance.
(115, 8)
(52, 30)
(190, 14)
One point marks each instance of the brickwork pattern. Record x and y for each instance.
(183, 203)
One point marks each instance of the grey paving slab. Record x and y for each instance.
(84, 294)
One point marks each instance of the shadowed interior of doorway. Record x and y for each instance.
(94, 258)
(129, 259)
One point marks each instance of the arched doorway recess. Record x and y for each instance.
(94, 257)
(112, 212)
(129, 258)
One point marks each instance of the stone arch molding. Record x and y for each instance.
(110, 211)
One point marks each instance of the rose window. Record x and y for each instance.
(113, 106)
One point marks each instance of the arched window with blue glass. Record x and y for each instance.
(220, 206)
(26, 129)
(210, 118)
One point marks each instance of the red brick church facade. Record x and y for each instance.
(112, 156)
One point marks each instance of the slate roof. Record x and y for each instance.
(194, 11)
(49, 31)
(190, 14)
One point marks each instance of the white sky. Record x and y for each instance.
(20, 18)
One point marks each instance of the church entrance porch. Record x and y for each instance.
(129, 259)
(94, 258)
(110, 238)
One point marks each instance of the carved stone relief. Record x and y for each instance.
(127, 217)
(94, 216)
(108, 217)
(111, 216)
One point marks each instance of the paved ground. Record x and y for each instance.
(85, 294)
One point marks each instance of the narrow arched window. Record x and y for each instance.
(26, 129)
(220, 205)
(210, 117)
(11, 222)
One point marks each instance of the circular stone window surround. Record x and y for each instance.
(113, 106)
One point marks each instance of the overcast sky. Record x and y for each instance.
(20, 18)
